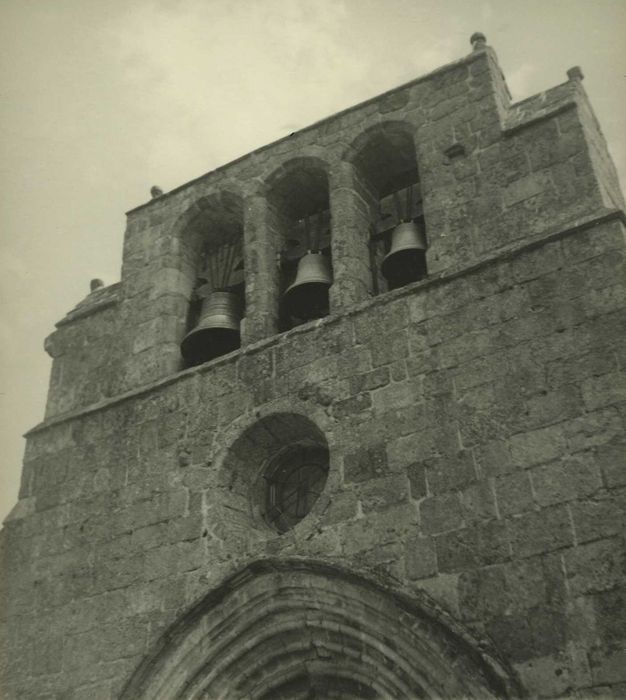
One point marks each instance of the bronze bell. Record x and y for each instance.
(406, 260)
(307, 297)
(217, 331)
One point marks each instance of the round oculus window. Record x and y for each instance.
(294, 482)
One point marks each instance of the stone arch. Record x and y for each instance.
(385, 159)
(303, 162)
(392, 129)
(299, 186)
(300, 628)
(219, 211)
(209, 227)
(388, 146)
(298, 192)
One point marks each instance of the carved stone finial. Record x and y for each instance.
(155, 191)
(478, 41)
(575, 73)
(95, 284)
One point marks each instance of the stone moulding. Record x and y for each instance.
(541, 107)
(279, 625)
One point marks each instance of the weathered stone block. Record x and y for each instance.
(354, 361)
(512, 636)
(597, 428)
(421, 557)
(547, 676)
(608, 666)
(535, 263)
(450, 473)
(365, 464)
(389, 348)
(574, 369)
(513, 493)
(385, 527)
(537, 446)
(471, 547)
(526, 188)
(552, 407)
(610, 612)
(352, 406)
(417, 480)
(478, 502)
(437, 384)
(480, 423)
(399, 422)
(597, 566)
(542, 531)
(405, 449)
(367, 326)
(370, 380)
(256, 367)
(612, 460)
(593, 242)
(440, 513)
(548, 628)
(466, 348)
(376, 494)
(396, 395)
(603, 301)
(564, 480)
(526, 584)
(494, 458)
(483, 593)
(603, 391)
(342, 506)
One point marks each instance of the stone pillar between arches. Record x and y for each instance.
(353, 210)
(261, 248)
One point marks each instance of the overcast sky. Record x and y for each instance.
(100, 99)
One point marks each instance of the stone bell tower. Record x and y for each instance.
(349, 426)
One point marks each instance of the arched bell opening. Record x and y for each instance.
(299, 195)
(299, 628)
(385, 159)
(214, 272)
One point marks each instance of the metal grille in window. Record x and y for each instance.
(294, 483)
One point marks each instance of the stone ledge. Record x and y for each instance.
(531, 120)
(505, 253)
(540, 107)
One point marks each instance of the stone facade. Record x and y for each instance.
(469, 539)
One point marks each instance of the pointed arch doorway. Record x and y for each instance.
(303, 630)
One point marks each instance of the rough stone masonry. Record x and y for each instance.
(467, 535)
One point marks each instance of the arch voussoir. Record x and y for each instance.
(277, 626)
